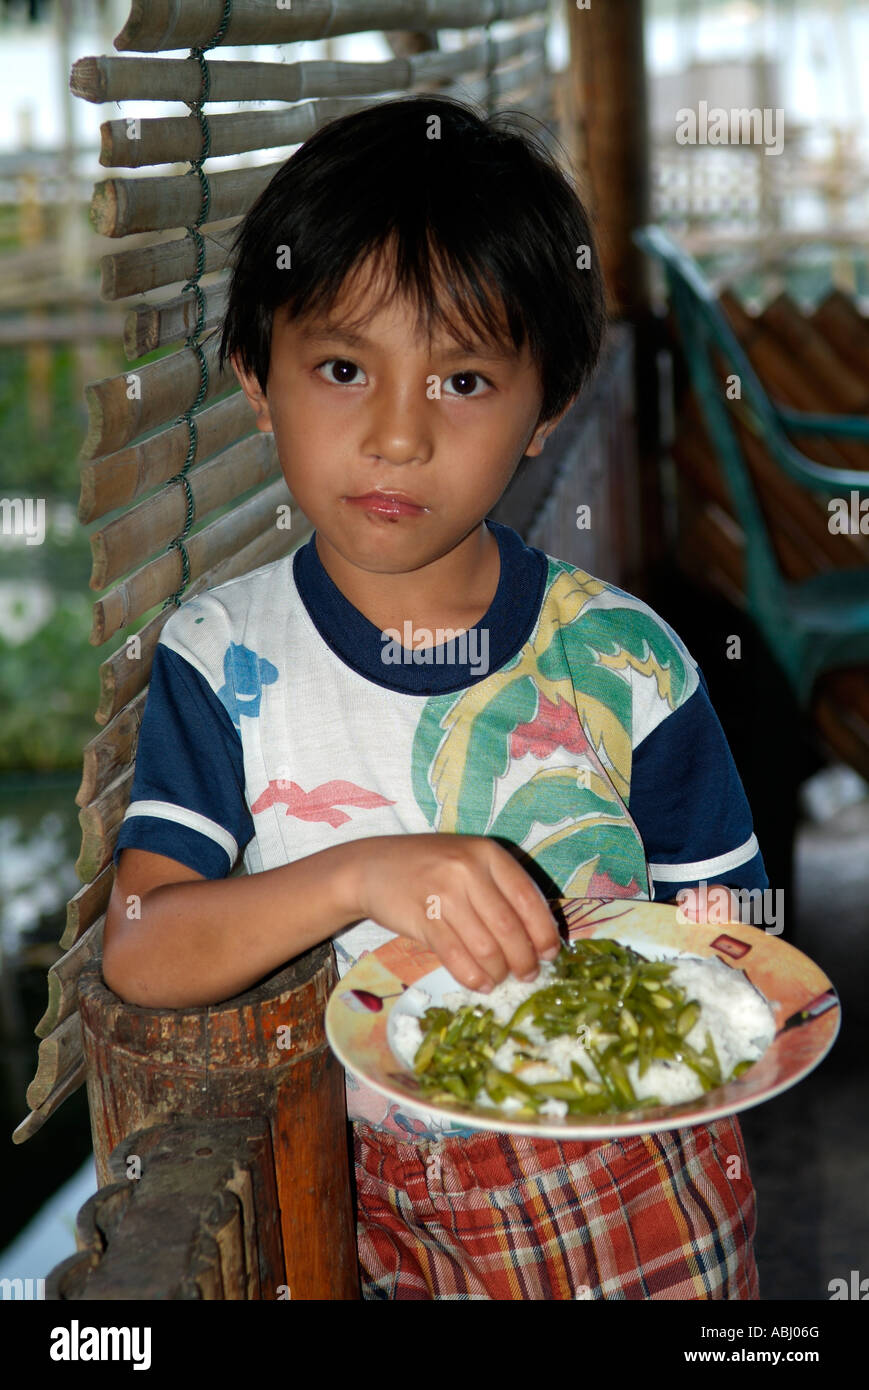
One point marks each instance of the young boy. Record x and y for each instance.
(415, 707)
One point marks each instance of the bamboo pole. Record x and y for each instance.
(144, 268)
(59, 1052)
(120, 207)
(61, 1005)
(106, 757)
(156, 580)
(123, 676)
(131, 539)
(104, 78)
(174, 139)
(162, 24)
(100, 823)
(39, 355)
(150, 326)
(122, 476)
(91, 901)
(122, 407)
(33, 1122)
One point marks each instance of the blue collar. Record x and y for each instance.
(499, 635)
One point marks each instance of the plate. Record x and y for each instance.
(361, 1014)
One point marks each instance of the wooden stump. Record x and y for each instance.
(192, 1213)
(263, 1053)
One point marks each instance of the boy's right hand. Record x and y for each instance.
(488, 917)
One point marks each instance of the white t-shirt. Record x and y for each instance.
(571, 722)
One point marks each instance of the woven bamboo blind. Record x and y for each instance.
(172, 441)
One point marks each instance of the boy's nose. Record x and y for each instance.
(399, 427)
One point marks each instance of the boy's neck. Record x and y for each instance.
(454, 591)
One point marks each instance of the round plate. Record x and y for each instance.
(362, 1009)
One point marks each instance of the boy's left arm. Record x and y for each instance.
(689, 805)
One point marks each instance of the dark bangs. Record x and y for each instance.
(471, 215)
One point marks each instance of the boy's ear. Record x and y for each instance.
(255, 395)
(544, 430)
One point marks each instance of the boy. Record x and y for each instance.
(416, 708)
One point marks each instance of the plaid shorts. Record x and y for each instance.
(497, 1216)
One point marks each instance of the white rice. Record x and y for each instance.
(735, 1013)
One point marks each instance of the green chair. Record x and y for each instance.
(822, 622)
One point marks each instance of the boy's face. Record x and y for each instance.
(376, 409)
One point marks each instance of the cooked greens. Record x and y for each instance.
(619, 1006)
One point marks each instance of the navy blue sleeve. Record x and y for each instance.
(187, 799)
(689, 805)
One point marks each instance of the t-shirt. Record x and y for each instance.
(571, 722)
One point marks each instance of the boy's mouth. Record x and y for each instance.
(388, 503)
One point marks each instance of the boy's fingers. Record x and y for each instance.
(534, 910)
(511, 927)
(454, 954)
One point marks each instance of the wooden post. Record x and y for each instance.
(263, 1053)
(608, 99)
(609, 86)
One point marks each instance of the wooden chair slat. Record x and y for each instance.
(113, 748)
(842, 388)
(845, 329)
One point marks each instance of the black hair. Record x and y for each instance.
(483, 211)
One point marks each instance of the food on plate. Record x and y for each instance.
(602, 1029)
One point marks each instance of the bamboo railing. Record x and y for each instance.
(171, 444)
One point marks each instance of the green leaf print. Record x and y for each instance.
(614, 846)
(550, 796)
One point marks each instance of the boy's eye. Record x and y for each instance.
(341, 371)
(466, 382)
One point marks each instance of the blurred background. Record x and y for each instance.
(783, 242)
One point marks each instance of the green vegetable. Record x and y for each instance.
(622, 1006)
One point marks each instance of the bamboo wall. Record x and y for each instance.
(170, 445)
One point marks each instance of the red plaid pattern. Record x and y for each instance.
(503, 1217)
